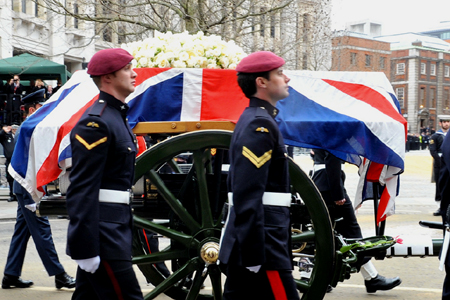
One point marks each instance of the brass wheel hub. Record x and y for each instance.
(210, 252)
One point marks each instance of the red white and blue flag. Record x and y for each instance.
(351, 114)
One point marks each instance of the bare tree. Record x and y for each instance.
(295, 29)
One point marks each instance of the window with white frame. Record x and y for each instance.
(433, 69)
(400, 96)
(401, 68)
(447, 71)
(423, 68)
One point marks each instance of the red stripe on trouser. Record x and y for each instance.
(148, 244)
(276, 284)
(115, 284)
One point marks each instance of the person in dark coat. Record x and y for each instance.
(15, 87)
(103, 146)
(255, 248)
(29, 224)
(329, 178)
(444, 188)
(7, 140)
(14, 90)
(435, 145)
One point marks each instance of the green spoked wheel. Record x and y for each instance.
(192, 218)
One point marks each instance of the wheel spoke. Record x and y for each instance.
(156, 257)
(196, 285)
(302, 285)
(216, 281)
(173, 164)
(173, 202)
(176, 276)
(167, 232)
(205, 207)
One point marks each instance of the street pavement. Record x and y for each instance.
(421, 277)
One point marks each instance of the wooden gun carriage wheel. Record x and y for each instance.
(187, 209)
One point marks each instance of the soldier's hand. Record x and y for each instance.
(254, 269)
(31, 207)
(89, 264)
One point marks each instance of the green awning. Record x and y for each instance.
(30, 67)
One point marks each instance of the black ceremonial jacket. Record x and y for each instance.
(257, 234)
(103, 156)
(330, 177)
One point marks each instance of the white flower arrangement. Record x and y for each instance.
(183, 50)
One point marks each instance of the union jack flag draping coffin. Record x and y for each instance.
(351, 114)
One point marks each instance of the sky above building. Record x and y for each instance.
(396, 16)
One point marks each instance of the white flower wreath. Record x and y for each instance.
(184, 50)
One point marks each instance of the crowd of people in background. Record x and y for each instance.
(11, 106)
(419, 141)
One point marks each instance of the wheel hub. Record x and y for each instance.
(210, 252)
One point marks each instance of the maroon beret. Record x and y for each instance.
(108, 61)
(261, 61)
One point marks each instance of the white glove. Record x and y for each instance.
(89, 264)
(31, 207)
(254, 269)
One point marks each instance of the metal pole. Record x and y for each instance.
(379, 229)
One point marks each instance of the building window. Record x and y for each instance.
(262, 18)
(432, 98)
(422, 101)
(446, 99)
(352, 58)
(401, 68)
(272, 26)
(24, 6)
(447, 71)
(368, 60)
(75, 11)
(433, 69)
(423, 68)
(401, 96)
(382, 63)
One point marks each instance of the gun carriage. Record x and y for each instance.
(186, 205)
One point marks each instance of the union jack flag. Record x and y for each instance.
(351, 114)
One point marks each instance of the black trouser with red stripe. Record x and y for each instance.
(264, 285)
(113, 280)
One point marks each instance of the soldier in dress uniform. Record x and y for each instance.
(29, 224)
(435, 146)
(255, 248)
(444, 188)
(98, 197)
(329, 178)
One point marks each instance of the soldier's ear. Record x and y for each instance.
(261, 82)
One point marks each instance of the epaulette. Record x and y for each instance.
(261, 112)
(98, 108)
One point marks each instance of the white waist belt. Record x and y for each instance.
(114, 196)
(318, 167)
(270, 198)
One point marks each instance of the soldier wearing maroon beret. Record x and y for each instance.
(98, 199)
(256, 249)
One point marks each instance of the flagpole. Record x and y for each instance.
(379, 230)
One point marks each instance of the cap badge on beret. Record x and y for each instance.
(261, 61)
(108, 61)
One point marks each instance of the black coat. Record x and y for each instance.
(257, 234)
(331, 178)
(8, 143)
(103, 156)
(10, 89)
